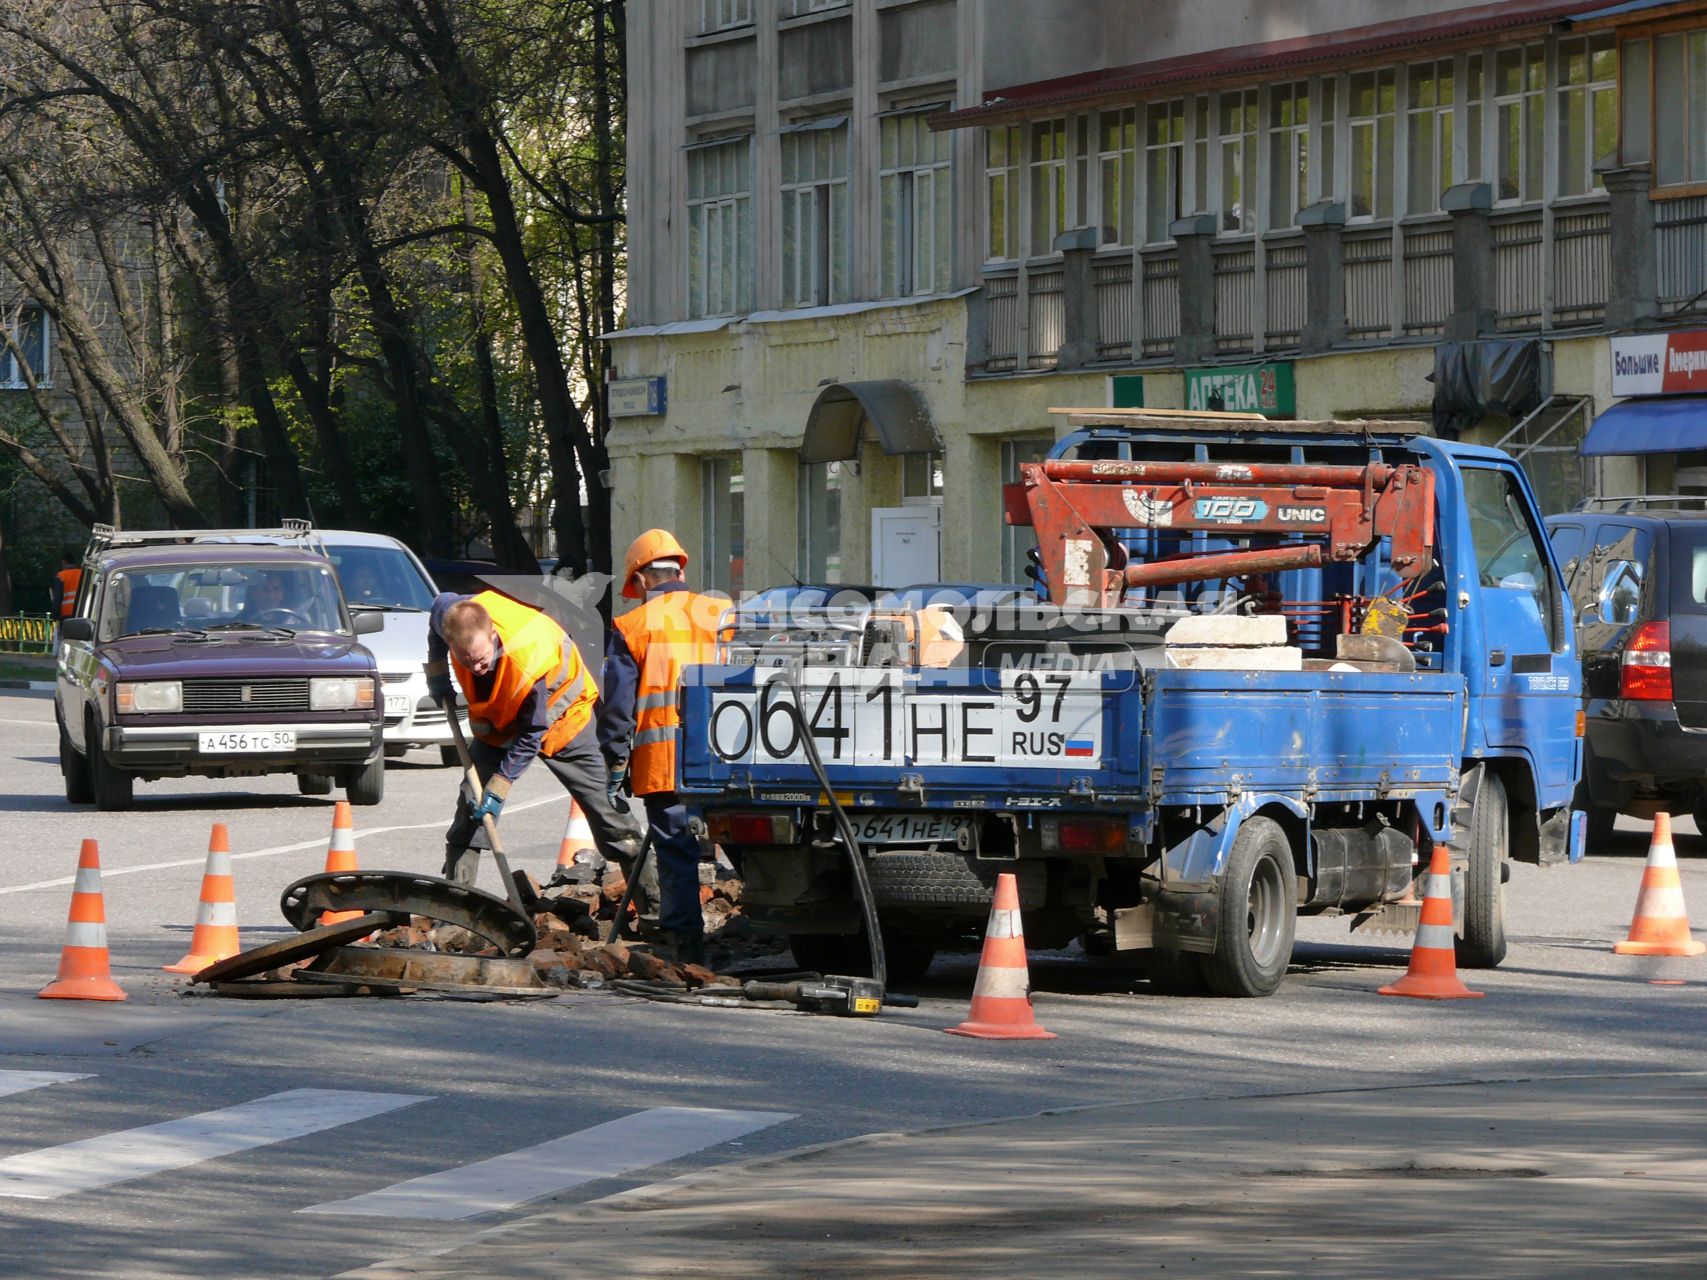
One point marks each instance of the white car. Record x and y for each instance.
(380, 573)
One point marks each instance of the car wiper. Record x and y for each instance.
(166, 631)
(268, 628)
(384, 608)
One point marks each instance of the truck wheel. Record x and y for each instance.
(1259, 911)
(314, 784)
(111, 787)
(78, 787)
(1176, 973)
(366, 785)
(1483, 943)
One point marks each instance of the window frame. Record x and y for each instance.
(1242, 145)
(1294, 137)
(1373, 122)
(1170, 155)
(1438, 123)
(11, 375)
(1008, 174)
(904, 238)
(809, 538)
(719, 560)
(825, 276)
(712, 17)
(1055, 173)
(736, 203)
(1122, 160)
(1687, 184)
(1595, 92)
(1529, 101)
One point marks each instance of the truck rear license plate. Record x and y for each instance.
(911, 828)
(396, 704)
(246, 741)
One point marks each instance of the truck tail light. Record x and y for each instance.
(1084, 835)
(1646, 665)
(750, 828)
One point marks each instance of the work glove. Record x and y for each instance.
(491, 804)
(439, 687)
(618, 777)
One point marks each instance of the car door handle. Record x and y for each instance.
(1496, 657)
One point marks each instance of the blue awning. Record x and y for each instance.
(1669, 425)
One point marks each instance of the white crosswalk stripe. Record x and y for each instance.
(603, 1151)
(53, 1172)
(23, 1081)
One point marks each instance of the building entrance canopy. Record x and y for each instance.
(1677, 424)
(896, 412)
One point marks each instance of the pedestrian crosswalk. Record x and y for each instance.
(501, 1182)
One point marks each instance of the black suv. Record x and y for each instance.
(1637, 571)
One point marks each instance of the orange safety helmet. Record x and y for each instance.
(654, 544)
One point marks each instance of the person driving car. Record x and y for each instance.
(265, 596)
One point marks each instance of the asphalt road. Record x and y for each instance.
(573, 1099)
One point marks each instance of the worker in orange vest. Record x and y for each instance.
(640, 720)
(62, 591)
(529, 694)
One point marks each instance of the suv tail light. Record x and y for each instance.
(1646, 664)
(1084, 835)
(750, 828)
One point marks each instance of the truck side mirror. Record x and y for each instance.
(367, 621)
(77, 629)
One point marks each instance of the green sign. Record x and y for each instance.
(1254, 388)
(1126, 390)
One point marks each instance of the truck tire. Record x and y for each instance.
(365, 785)
(1483, 944)
(113, 789)
(1176, 973)
(314, 784)
(79, 789)
(1259, 913)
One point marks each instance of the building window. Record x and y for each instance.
(1474, 170)
(722, 517)
(1164, 163)
(1372, 99)
(720, 228)
(29, 331)
(815, 215)
(820, 520)
(1017, 539)
(1588, 111)
(1288, 152)
(797, 8)
(1328, 114)
(921, 477)
(1048, 184)
(720, 15)
(1520, 78)
(1237, 147)
(1200, 155)
(1428, 134)
(1117, 164)
(918, 207)
(1001, 192)
(1680, 115)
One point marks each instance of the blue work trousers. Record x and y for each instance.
(677, 850)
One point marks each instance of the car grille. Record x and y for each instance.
(246, 695)
(397, 677)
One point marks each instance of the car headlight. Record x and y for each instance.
(158, 696)
(340, 693)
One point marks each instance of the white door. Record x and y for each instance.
(905, 545)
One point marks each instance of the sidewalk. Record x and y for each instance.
(1582, 1176)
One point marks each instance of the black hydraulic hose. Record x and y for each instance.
(862, 878)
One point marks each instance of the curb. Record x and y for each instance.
(32, 686)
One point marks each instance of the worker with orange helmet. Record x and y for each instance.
(529, 695)
(640, 720)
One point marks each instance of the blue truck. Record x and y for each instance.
(1264, 668)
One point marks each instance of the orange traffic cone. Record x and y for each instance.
(1001, 997)
(577, 836)
(84, 970)
(1660, 926)
(1433, 974)
(215, 936)
(341, 856)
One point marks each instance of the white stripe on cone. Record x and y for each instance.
(1436, 937)
(88, 880)
(1663, 903)
(217, 913)
(1003, 924)
(1002, 983)
(79, 933)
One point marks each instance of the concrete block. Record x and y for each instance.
(1229, 629)
(1271, 659)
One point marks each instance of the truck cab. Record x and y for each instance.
(1266, 667)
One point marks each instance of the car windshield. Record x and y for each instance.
(385, 577)
(201, 598)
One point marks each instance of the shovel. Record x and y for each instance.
(478, 791)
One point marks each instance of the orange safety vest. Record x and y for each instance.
(69, 581)
(535, 648)
(672, 630)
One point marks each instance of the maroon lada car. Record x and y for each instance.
(217, 661)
